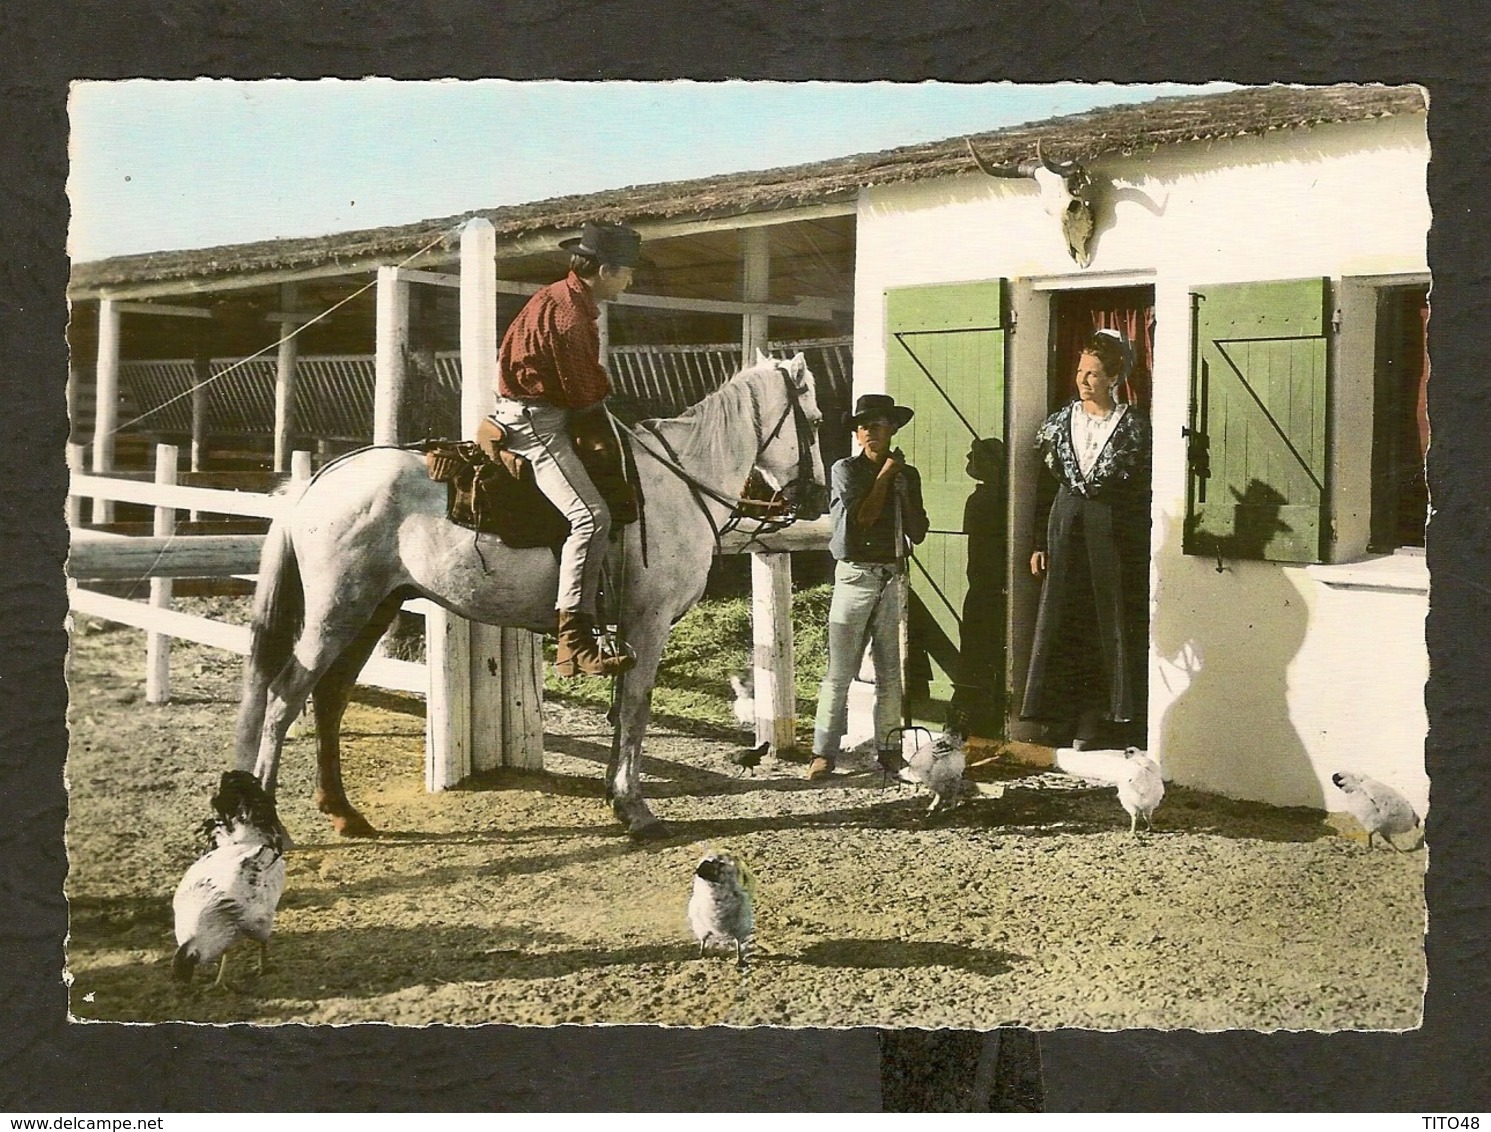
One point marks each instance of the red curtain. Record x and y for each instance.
(1077, 314)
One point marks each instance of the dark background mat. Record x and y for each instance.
(52, 1066)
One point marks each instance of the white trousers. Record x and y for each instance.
(540, 433)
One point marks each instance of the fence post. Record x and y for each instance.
(771, 574)
(105, 402)
(201, 375)
(485, 700)
(77, 461)
(772, 656)
(158, 645)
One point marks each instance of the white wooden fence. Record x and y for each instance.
(100, 556)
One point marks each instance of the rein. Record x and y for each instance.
(736, 507)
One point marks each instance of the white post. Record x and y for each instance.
(603, 326)
(771, 636)
(77, 461)
(158, 645)
(300, 465)
(391, 359)
(284, 378)
(106, 402)
(771, 574)
(485, 701)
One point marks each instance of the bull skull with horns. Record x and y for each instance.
(1066, 193)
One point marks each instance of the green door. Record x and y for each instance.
(1257, 429)
(945, 349)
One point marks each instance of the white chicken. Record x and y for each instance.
(233, 889)
(938, 765)
(1380, 809)
(744, 707)
(1140, 789)
(722, 905)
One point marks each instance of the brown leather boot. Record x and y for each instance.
(579, 654)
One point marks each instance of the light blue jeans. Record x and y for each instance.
(539, 432)
(866, 610)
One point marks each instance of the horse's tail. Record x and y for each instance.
(279, 611)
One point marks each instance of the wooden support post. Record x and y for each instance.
(391, 359)
(771, 574)
(106, 402)
(158, 645)
(603, 325)
(485, 700)
(755, 288)
(284, 379)
(201, 375)
(771, 636)
(77, 457)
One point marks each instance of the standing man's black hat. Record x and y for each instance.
(612, 244)
(872, 405)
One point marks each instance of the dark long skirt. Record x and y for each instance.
(1090, 653)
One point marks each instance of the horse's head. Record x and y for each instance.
(787, 460)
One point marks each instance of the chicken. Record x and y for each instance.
(1140, 789)
(744, 707)
(1380, 809)
(722, 905)
(233, 889)
(938, 765)
(748, 758)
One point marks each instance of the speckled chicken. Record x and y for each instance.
(938, 765)
(1381, 810)
(722, 906)
(1141, 788)
(233, 889)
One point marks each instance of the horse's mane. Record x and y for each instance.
(716, 423)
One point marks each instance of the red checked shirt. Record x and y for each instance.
(551, 352)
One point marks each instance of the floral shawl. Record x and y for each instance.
(1123, 462)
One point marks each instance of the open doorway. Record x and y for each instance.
(1087, 681)
(1400, 425)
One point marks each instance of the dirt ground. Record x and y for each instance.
(518, 899)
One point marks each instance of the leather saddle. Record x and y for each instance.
(492, 489)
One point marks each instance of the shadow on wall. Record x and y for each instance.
(1232, 634)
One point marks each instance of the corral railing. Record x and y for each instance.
(167, 554)
(334, 393)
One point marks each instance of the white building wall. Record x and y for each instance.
(1264, 679)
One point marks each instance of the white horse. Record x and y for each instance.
(370, 531)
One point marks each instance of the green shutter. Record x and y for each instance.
(945, 348)
(1257, 431)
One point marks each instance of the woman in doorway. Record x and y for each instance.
(1088, 675)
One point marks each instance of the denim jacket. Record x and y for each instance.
(852, 479)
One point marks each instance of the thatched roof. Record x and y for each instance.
(1108, 130)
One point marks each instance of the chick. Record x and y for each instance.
(744, 707)
(1380, 809)
(722, 905)
(233, 889)
(938, 765)
(748, 758)
(1140, 789)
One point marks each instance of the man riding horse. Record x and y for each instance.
(549, 374)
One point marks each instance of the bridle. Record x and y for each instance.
(756, 502)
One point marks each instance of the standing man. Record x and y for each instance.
(548, 373)
(877, 510)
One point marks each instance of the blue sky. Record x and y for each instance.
(164, 165)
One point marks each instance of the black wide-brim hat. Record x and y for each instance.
(613, 244)
(872, 405)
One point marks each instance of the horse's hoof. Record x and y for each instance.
(352, 825)
(653, 830)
